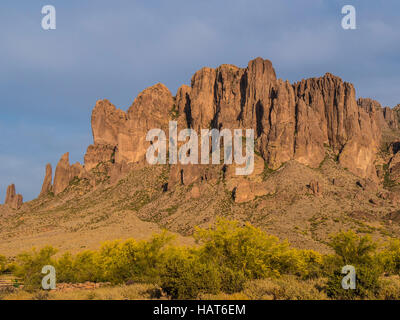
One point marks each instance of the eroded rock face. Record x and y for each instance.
(394, 167)
(47, 182)
(291, 122)
(13, 200)
(61, 177)
(65, 173)
(123, 135)
(106, 121)
(384, 117)
(350, 131)
(97, 153)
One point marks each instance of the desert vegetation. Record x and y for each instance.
(230, 261)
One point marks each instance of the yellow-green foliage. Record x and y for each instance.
(309, 263)
(360, 252)
(353, 249)
(29, 266)
(3, 264)
(228, 258)
(116, 261)
(184, 275)
(390, 257)
(247, 250)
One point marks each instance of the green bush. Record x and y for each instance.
(360, 252)
(65, 270)
(116, 262)
(246, 250)
(185, 276)
(29, 266)
(3, 264)
(353, 249)
(390, 258)
(132, 260)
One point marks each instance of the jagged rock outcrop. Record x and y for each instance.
(291, 121)
(339, 123)
(123, 135)
(97, 153)
(47, 182)
(61, 177)
(65, 173)
(13, 200)
(385, 117)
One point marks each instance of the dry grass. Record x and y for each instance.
(283, 288)
(122, 292)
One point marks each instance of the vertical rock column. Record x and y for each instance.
(13, 200)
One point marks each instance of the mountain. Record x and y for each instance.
(324, 162)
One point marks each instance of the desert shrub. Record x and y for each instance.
(29, 266)
(246, 250)
(230, 260)
(133, 260)
(359, 252)
(87, 268)
(389, 289)
(3, 264)
(310, 264)
(287, 287)
(367, 285)
(353, 249)
(116, 262)
(185, 276)
(390, 257)
(65, 268)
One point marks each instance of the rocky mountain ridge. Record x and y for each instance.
(292, 122)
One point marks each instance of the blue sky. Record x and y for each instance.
(50, 80)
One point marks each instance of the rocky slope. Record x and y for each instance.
(321, 154)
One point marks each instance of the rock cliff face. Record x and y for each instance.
(291, 122)
(121, 136)
(384, 117)
(13, 200)
(300, 121)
